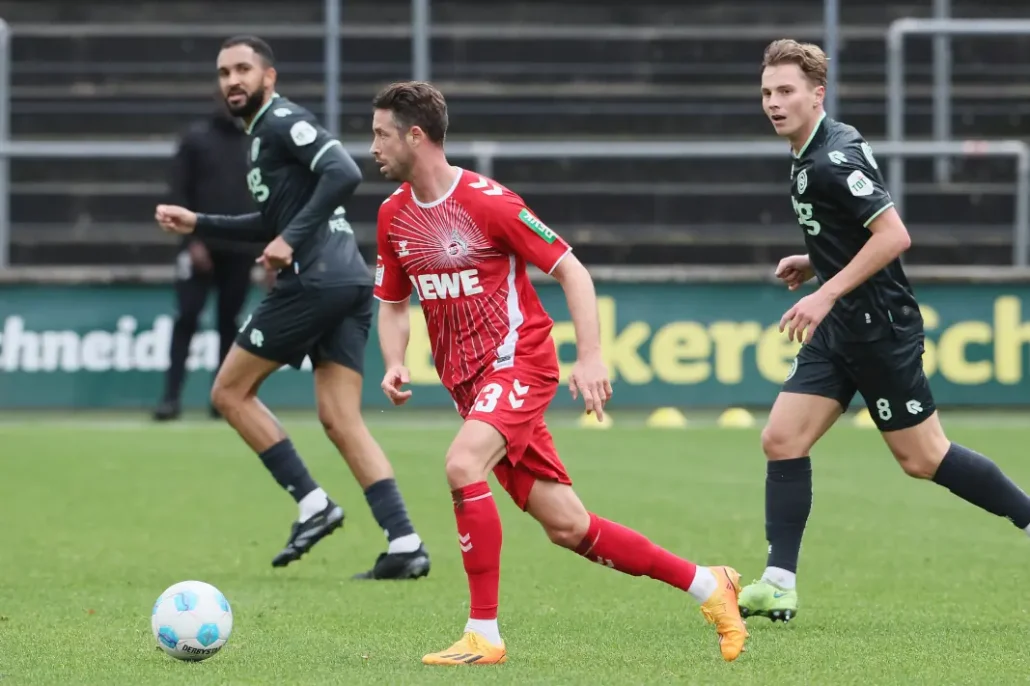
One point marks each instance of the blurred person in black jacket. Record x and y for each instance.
(209, 174)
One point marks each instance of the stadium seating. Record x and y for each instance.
(532, 69)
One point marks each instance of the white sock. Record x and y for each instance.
(487, 628)
(703, 585)
(313, 503)
(780, 577)
(405, 544)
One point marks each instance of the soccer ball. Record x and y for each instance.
(191, 620)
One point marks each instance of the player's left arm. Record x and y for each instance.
(581, 297)
(527, 236)
(888, 241)
(856, 185)
(338, 175)
(590, 375)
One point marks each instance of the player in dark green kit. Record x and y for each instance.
(320, 307)
(861, 328)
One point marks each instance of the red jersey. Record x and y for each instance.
(465, 257)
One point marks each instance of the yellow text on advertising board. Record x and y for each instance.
(967, 352)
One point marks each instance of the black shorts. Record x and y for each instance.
(326, 324)
(887, 372)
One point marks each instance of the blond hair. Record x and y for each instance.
(809, 58)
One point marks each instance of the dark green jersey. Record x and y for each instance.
(837, 191)
(300, 177)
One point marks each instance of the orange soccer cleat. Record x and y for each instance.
(722, 611)
(472, 649)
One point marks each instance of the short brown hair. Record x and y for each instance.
(809, 57)
(415, 103)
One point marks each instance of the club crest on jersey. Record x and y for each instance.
(457, 247)
(255, 147)
(402, 249)
(802, 181)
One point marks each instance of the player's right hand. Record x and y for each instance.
(794, 271)
(393, 381)
(175, 219)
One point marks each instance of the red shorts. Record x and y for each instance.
(514, 401)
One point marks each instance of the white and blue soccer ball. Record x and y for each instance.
(191, 620)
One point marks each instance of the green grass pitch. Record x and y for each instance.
(901, 583)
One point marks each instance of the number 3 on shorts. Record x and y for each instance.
(492, 392)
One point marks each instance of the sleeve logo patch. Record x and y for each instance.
(303, 133)
(859, 184)
(537, 226)
(380, 269)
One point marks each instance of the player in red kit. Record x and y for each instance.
(462, 242)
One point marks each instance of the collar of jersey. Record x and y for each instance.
(811, 136)
(261, 112)
(442, 198)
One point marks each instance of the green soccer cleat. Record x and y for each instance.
(764, 599)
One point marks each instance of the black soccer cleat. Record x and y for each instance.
(304, 535)
(398, 566)
(167, 411)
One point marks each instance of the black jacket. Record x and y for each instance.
(209, 175)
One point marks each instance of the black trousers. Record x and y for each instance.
(230, 276)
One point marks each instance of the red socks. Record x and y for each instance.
(630, 552)
(607, 543)
(479, 535)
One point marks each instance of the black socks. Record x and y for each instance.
(977, 480)
(788, 502)
(288, 469)
(387, 507)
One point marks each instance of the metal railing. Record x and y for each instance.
(420, 30)
(896, 34)
(484, 153)
(5, 137)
